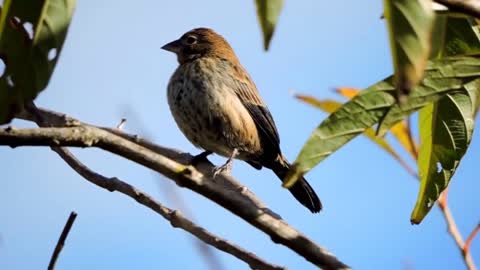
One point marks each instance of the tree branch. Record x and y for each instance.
(176, 218)
(224, 189)
(172, 194)
(453, 230)
(469, 7)
(468, 243)
(61, 240)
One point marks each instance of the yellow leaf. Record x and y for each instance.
(400, 132)
(326, 105)
(347, 92)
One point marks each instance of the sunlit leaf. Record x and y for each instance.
(31, 38)
(410, 27)
(401, 133)
(330, 106)
(378, 103)
(443, 75)
(268, 12)
(399, 130)
(445, 132)
(347, 92)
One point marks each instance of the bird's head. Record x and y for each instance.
(199, 42)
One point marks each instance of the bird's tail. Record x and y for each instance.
(301, 190)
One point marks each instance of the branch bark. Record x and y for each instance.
(224, 189)
(176, 218)
(469, 7)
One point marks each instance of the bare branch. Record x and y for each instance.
(224, 189)
(176, 218)
(468, 243)
(61, 240)
(469, 7)
(453, 230)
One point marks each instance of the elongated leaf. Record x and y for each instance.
(399, 130)
(267, 13)
(401, 134)
(31, 38)
(330, 106)
(455, 35)
(326, 105)
(410, 27)
(347, 92)
(462, 36)
(445, 132)
(444, 75)
(378, 103)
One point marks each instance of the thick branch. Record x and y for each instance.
(223, 190)
(470, 7)
(175, 217)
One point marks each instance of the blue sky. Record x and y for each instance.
(112, 67)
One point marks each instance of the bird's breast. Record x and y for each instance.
(208, 111)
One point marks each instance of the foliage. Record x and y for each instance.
(31, 38)
(448, 92)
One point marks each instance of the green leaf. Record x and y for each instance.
(455, 35)
(398, 130)
(462, 36)
(267, 13)
(378, 103)
(29, 58)
(443, 75)
(410, 25)
(445, 132)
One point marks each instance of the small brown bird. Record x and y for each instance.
(217, 106)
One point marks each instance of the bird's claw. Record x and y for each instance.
(225, 168)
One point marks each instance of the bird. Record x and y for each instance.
(217, 106)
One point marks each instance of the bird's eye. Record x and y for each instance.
(191, 40)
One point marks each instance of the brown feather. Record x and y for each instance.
(217, 106)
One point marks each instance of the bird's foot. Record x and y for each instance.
(227, 167)
(200, 157)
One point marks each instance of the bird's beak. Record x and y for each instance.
(173, 46)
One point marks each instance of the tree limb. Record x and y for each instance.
(224, 189)
(469, 7)
(177, 219)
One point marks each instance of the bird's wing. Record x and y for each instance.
(247, 93)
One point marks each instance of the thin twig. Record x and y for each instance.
(453, 230)
(468, 243)
(61, 240)
(469, 7)
(121, 124)
(407, 167)
(176, 218)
